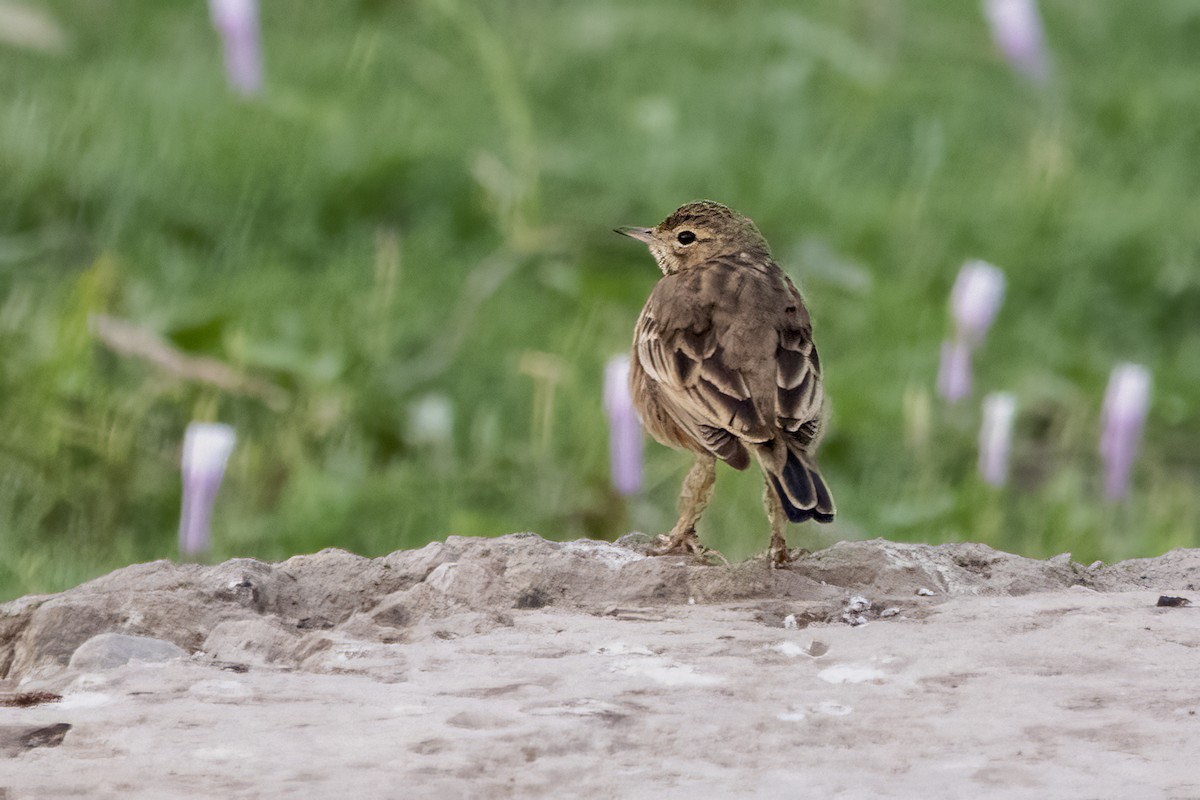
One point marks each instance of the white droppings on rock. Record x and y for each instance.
(825, 708)
(789, 649)
(666, 672)
(621, 649)
(84, 700)
(851, 673)
(813, 649)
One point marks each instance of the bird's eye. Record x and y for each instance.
(686, 237)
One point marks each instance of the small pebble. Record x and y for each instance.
(858, 604)
(923, 592)
(889, 612)
(789, 622)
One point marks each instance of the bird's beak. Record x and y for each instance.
(641, 234)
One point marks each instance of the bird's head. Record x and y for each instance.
(697, 233)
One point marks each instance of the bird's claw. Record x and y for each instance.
(678, 543)
(688, 544)
(779, 557)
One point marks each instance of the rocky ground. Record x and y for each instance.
(518, 667)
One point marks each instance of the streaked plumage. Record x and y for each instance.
(724, 366)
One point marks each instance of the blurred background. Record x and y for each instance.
(390, 266)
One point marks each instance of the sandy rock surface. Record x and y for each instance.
(518, 667)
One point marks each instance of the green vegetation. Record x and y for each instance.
(421, 204)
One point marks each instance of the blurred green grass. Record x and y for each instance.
(421, 203)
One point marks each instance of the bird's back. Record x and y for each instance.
(709, 341)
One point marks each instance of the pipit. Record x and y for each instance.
(724, 366)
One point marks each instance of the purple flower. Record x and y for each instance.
(976, 297)
(1123, 417)
(995, 437)
(974, 301)
(954, 372)
(237, 22)
(624, 428)
(206, 449)
(1017, 31)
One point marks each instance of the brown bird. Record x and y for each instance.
(724, 366)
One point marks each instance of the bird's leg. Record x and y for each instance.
(777, 555)
(693, 499)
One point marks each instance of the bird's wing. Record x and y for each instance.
(679, 346)
(799, 399)
(683, 343)
(698, 390)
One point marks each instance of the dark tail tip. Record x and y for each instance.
(803, 491)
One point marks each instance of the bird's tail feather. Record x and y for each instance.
(802, 490)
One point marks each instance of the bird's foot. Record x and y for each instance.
(714, 557)
(778, 556)
(679, 543)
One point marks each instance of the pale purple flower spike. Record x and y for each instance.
(975, 299)
(974, 302)
(206, 449)
(995, 437)
(1017, 30)
(237, 22)
(1123, 417)
(954, 373)
(624, 429)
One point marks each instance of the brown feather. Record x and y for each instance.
(723, 357)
